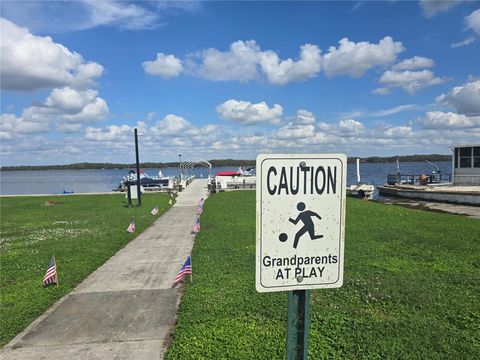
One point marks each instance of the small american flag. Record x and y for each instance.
(131, 227)
(200, 210)
(51, 274)
(185, 270)
(200, 202)
(196, 227)
(154, 211)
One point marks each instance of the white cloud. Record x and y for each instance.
(465, 42)
(69, 100)
(69, 128)
(65, 108)
(381, 91)
(4, 135)
(245, 112)
(151, 115)
(176, 126)
(433, 7)
(173, 125)
(32, 62)
(321, 139)
(410, 81)
(209, 141)
(71, 150)
(121, 14)
(111, 133)
(449, 120)
(94, 111)
(70, 106)
(239, 63)
(12, 125)
(347, 128)
(393, 110)
(245, 61)
(166, 66)
(417, 62)
(172, 131)
(396, 132)
(207, 129)
(473, 21)
(465, 99)
(294, 131)
(280, 72)
(305, 117)
(253, 140)
(44, 17)
(378, 113)
(356, 58)
(350, 127)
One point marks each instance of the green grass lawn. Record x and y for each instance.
(82, 231)
(411, 289)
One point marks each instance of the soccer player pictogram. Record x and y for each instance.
(305, 216)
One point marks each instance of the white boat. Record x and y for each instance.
(361, 190)
(146, 181)
(434, 187)
(244, 178)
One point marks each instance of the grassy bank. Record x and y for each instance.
(82, 231)
(411, 290)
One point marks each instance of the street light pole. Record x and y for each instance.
(179, 168)
(139, 193)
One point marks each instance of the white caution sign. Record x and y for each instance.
(300, 221)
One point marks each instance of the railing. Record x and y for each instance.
(414, 179)
(190, 179)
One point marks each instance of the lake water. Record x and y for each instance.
(84, 181)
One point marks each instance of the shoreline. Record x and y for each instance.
(220, 163)
(433, 206)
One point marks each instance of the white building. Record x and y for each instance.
(466, 164)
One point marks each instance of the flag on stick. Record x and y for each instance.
(131, 227)
(200, 210)
(51, 274)
(196, 227)
(185, 270)
(154, 211)
(200, 202)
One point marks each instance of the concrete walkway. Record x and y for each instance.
(125, 309)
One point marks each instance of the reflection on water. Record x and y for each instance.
(84, 181)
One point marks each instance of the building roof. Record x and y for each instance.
(466, 145)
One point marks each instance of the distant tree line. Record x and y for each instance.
(403, 158)
(216, 163)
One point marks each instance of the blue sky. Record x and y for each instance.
(213, 79)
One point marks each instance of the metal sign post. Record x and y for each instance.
(129, 195)
(297, 324)
(300, 232)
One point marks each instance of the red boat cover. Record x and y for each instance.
(228, 173)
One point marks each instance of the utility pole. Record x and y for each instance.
(139, 193)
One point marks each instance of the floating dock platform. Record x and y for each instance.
(445, 193)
